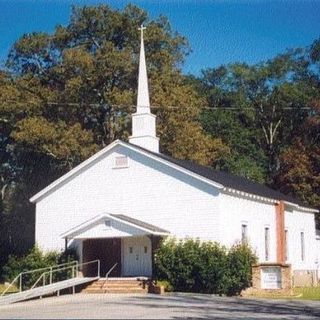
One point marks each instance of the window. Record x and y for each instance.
(286, 243)
(130, 250)
(145, 249)
(244, 233)
(302, 245)
(267, 243)
(121, 162)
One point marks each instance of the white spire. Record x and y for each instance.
(143, 121)
(143, 102)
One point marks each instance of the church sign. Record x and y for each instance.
(271, 278)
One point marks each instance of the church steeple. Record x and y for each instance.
(143, 102)
(143, 121)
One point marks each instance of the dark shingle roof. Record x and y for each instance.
(139, 223)
(229, 180)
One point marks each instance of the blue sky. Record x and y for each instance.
(219, 31)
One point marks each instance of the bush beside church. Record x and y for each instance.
(185, 266)
(204, 267)
(36, 259)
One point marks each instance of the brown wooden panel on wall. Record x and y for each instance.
(280, 227)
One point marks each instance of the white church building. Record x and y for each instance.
(119, 203)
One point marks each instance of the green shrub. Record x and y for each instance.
(204, 267)
(36, 259)
(240, 260)
(166, 284)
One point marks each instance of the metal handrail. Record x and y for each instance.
(110, 270)
(65, 268)
(107, 274)
(32, 271)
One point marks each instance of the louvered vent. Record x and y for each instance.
(121, 162)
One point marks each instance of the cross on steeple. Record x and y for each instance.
(141, 29)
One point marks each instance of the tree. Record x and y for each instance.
(260, 106)
(300, 169)
(300, 161)
(70, 93)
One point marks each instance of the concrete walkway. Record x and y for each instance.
(173, 306)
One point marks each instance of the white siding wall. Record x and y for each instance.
(318, 257)
(297, 222)
(153, 192)
(146, 190)
(235, 211)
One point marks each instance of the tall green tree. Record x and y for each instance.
(299, 174)
(257, 109)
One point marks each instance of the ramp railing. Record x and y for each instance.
(19, 278)
(74, 272)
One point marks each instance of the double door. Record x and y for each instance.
(136, 256)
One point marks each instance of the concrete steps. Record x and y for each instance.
(117, 286)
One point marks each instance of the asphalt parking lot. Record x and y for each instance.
(130, 306)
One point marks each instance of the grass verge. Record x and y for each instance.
(11, 290)
(306, 293)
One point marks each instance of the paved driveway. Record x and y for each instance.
(158, 307)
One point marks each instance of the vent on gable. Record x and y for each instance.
(121, 162)
(107, 223)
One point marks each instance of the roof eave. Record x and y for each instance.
(299, 207)
(73, 231)
(172, 165)
(73, 171)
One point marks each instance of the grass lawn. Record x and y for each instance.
(11, 290)
(308, 293)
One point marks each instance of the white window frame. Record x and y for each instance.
(266, 235)
(302, 245)
(244, 235)
(286, 243)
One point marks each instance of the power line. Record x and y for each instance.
(78, 104)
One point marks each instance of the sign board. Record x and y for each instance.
(271, 278)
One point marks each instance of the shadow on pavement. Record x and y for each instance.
(205, 306)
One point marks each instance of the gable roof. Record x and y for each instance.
(93, 159)
(217, 178)
(139, 223)
(143, 227)
(231, 181)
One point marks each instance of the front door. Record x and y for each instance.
(137, 256)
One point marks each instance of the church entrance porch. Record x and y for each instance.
(127, 257)
(121, 243)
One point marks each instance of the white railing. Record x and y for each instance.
(19, 277)
(74, 272)
(107, 275)
(110, 270)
